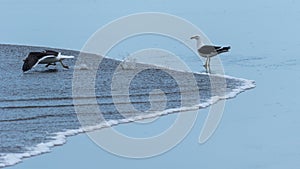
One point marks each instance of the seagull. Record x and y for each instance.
(208, 51)
(48, 57)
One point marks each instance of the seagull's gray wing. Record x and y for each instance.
(208, 49)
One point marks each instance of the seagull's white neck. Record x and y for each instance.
(199, 43)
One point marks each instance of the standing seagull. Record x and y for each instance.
(208, 51)
(48, 57)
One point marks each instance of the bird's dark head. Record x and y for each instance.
(25, 59)
(197, 37)
(25, 66)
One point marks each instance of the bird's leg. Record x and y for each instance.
(206, 63)
(65, 66)
(208, 70)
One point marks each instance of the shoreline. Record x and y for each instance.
(247, 130)
(61, 138)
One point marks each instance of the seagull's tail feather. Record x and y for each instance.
(223, 49)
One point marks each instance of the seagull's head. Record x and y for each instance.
(198, 40)
(197, 37)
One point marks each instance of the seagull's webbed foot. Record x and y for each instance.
(64, 66)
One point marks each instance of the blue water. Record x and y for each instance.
(37, 106)
(259, 129)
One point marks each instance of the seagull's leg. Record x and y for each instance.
(65, 66)
(208, 70)
(206, 66)
(206, 62)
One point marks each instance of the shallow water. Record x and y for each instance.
(37, 105)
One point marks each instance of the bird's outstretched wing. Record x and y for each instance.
(33, 59)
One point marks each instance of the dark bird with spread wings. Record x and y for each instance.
(48, 57)
(208, 51)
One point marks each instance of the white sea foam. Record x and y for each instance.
(81, 67)
(60, 138)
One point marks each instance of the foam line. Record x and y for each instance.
(60, 138)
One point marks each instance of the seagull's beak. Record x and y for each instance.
(194, 37)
